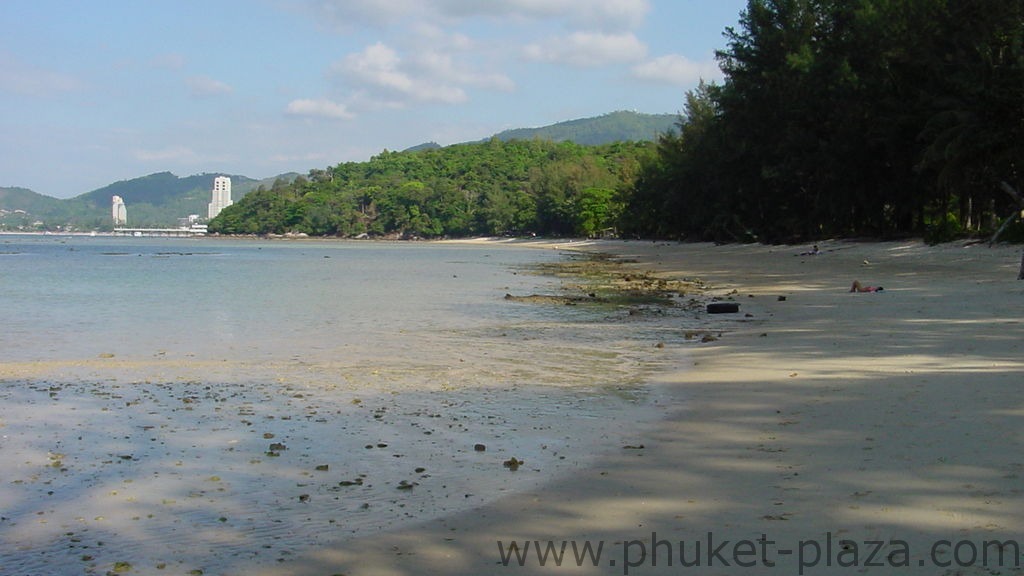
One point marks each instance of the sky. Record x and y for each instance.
(92, 93)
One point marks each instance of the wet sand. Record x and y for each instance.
(826, 422)
(167, 463)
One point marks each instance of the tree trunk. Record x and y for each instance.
(1020, 202)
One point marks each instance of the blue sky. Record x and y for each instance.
(96, 92)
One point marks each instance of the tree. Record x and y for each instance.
(598, 210)
(846, 117)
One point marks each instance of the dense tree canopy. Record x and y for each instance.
(845, 117)
(487, 188)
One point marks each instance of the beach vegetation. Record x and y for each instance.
(488, 188)
(847, 118)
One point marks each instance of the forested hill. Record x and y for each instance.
(159, 199)
(156, 200)
(622, 126)
(483, 188)
(570, 178)
(164, 188)
(21, 208)
(23, 199)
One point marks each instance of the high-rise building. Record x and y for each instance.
(221, 195)
(120, 212)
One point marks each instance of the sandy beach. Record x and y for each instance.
(823, 432)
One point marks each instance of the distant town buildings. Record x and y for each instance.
(190, 220)
(119, 211)
(221, 195)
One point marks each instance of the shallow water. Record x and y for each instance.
(209, 404)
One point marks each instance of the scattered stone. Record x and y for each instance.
(782, 298)
(323, 468)
(106, 355)
(632, 447)
(277, 447)
(708, 338)
(723, 307)
(479, 447)
(512, 464)
(406, 485)
(303, 497)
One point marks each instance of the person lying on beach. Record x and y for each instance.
(858, 287)
(812, 252)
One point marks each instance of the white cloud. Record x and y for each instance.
(379, 77)
(319, 109)
(677, 69)
(204, 86)
(442, 67)
(589, 49)
(377, 65)
(433, 51)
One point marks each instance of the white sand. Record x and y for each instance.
(889, 417)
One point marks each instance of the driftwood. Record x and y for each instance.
(1016, 195)
(999, 232)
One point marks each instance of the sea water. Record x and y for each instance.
(211, 404)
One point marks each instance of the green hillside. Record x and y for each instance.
(160, 199)
(622, 126)
(25, 199)
(156, 200)
(475, 189)
(21, 207)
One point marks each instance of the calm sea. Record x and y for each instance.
(214, 404)
(240, 300)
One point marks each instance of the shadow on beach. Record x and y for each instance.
(832, 422)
